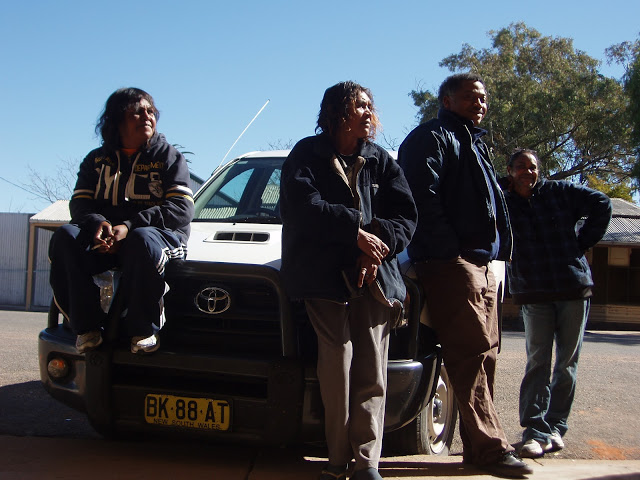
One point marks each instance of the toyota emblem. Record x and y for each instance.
(213, 300)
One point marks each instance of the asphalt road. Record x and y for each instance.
(605, 422)
(605, 419)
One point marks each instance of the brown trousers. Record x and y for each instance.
(353, 343)
(462, 306)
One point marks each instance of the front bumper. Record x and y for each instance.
(275, 401)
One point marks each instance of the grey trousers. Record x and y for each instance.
(353, 344)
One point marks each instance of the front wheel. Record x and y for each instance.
(432, 431)
(440, 417)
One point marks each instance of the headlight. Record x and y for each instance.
(58, 368)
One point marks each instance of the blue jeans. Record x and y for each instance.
(545, 400)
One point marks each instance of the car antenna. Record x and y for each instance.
(245, 129)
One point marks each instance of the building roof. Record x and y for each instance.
(623, 208)
(53, 216)
(625, 223)
(623, 231)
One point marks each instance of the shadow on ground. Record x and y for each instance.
(26, 409)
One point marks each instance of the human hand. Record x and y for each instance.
(118, 233)
(367, 270)
(102, 239)
(372, 246)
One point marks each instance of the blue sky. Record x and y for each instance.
(211, 66)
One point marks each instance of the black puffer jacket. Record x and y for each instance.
(321, 216)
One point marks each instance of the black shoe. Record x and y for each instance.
(508, 466)
(366, 474)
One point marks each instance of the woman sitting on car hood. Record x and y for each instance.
(130, 210)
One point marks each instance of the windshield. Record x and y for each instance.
(244, 191)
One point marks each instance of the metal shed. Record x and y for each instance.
(41, 227)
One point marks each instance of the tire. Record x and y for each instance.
(432, 431)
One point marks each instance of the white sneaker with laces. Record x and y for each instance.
(533, 448)
(556, 441)
(88, 341)
(145, 344)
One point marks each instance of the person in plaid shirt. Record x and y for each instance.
(550, 277)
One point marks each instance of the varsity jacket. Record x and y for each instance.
(149, 189)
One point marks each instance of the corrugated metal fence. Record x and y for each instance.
(14, 243)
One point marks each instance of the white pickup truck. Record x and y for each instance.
(237, 357)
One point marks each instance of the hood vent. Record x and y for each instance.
(241, 237)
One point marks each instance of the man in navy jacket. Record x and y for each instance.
(462, 226)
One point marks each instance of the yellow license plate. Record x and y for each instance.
(202, 413)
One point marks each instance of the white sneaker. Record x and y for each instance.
(533, 448)
(556, 441)
(88, 341)
(145, 344)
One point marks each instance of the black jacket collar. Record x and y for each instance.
(448, 116)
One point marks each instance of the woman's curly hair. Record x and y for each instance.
(336, 106)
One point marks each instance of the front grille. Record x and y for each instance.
(256, 321)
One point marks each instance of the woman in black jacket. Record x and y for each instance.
(347, 212)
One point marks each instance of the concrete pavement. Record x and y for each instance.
(27, 458)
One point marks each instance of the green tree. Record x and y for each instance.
(628, 54)
(546, 95)
(611, 187)
(632, 86)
